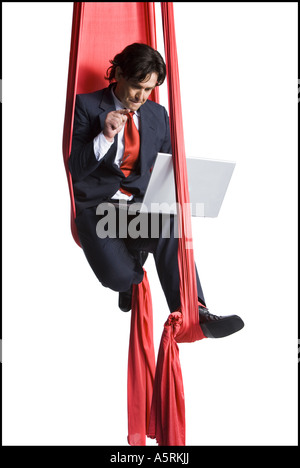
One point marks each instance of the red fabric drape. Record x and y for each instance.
(155, 394)
(190, 329)
(141, 364)
(167, 422)
(99, 31)
(167, 416)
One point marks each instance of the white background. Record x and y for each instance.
(65, 342)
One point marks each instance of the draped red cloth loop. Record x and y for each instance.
(167, 421)
(94, 43)
(155, 393)
(190, 330)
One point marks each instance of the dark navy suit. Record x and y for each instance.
(95, 181)
(114, 260)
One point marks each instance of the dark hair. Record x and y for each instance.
(137, 61)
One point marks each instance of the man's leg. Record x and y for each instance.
(109, 258)
(164, 247)
(165, 250)
(166, 260)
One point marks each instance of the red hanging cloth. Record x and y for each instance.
(167, 422)
(141, 364)
(159, 411)
(190, 329)
(94, 42)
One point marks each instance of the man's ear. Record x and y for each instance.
(118, 73)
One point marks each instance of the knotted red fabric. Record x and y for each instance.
(167, 416)
(131, 148)
(190, 329)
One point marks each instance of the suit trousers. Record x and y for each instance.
(113, 254)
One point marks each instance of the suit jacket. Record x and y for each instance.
(96, 181)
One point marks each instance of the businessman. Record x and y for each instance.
(117, 134)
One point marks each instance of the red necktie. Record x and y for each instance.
(131, 150)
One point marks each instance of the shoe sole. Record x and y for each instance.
(222, 327)
(125, 302)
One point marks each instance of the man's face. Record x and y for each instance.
(133, 94)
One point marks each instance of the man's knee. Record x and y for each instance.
(119, 281)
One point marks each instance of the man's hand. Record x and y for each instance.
(114, 123)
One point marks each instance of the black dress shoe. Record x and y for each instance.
(214, 326)
(125, 298)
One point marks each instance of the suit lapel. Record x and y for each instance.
(106, 105)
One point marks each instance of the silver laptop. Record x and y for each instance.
(208, 181)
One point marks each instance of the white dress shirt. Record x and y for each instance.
(102, 145)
